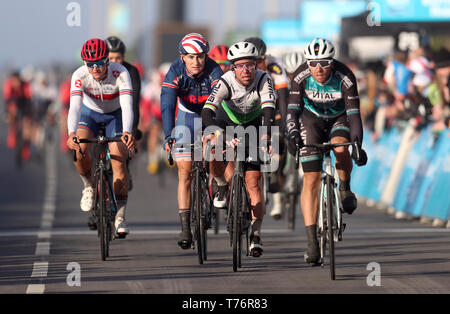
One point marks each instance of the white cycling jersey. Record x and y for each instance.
(242, 104)
(104, 96)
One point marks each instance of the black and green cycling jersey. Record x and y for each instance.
(336, 97)
(241, 104)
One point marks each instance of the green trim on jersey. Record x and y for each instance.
(240, 118)
(324, 100)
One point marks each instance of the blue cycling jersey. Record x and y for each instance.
(191, 92)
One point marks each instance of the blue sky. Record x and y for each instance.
(36, 31)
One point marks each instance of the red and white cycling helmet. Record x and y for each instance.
(193, 43)
(94, 49)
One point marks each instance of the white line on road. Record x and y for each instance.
(40, 270)
(35, 289)
(75, 232)
(43, 249)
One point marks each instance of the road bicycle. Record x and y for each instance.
(105, 203)
(291, 189)
(202, 210)
(329, 221)
(239, 215)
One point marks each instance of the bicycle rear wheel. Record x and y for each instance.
(330, 231)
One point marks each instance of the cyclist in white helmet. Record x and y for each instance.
(243, 97)
(325, 97)
(291, 61)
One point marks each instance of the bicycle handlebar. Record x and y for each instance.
(330, 146)
(97, 140)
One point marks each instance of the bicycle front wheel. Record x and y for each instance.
(102, 216)
(237, 234)
(197, 201)
(330, 230)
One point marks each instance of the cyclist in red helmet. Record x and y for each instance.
(219, 54)
(101, 92)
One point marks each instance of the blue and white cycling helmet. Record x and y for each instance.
(319, 48)
(193, 43)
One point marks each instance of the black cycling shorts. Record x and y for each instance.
(316, 130)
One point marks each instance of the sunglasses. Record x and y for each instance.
(248, 66)
(323, 63)
(99, 64)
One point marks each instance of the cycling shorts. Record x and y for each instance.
(316, 130)
(91, 120)
(223, 120)
(188, 124)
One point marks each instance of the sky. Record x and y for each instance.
(36, 32)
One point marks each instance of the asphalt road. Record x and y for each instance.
(45, 246)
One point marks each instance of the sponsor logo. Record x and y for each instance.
(302, 76)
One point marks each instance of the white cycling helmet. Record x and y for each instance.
(292, 61)
(319, 48)
(242, 50)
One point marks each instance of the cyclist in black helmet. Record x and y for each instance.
(117, 51)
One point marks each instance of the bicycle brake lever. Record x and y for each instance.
(79, 150)
(170, 158)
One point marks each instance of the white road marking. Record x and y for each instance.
(43, 249)
(82, 232)
(35, 289)
(40, 270)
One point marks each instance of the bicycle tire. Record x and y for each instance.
(197, 216)
(104, 239)
(205, 216)
(236, 225)
(291, 210)
(330, 231)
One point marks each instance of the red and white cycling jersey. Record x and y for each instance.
(104, 96)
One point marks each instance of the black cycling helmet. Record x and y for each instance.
(115, 44)
(259, 44)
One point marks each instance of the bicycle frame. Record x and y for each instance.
(329, 220)
(239, 213)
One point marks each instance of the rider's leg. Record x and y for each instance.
(83, 166)
(309, 202)
(119, 155)
(184, 201)
(252, 181)
(219, 184)
(344, 166)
